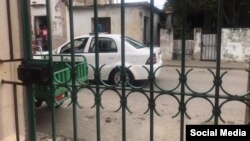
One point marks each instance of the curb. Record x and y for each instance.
(209, 65)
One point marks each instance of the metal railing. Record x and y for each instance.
(183, 97)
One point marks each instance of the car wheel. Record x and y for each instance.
(115, 77)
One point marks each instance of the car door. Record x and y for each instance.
(108, 56)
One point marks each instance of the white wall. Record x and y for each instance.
(197, 44)
(8, 72)
(166, 44)
(235, 44)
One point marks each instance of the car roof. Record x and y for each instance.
(99, 35)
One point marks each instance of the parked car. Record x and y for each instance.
(136, 56)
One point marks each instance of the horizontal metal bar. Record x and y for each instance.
(11, 82)
(10, 60)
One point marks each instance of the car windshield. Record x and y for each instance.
(134, 43)
(79, 44)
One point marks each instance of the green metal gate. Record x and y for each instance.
(182, 93)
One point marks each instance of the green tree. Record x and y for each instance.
(236, 12)
(203, 13)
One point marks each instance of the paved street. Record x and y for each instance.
(166, 127)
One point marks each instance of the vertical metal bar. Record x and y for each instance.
(212, 49)
(73, 72)
(212, 46)
(10, 29)
(51, 91)
(206, 48)
(217, 80)
(123, 73)
(97, 74)
(16, 111)
(215, 47)
(151, 73)
(26, 29)
(31, 111)
(49, 41)
(202, 45)
(27, 55)
(183, 76)
(209, 47)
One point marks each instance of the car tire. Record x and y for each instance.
(114, 77)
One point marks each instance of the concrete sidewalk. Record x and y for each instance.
(45, 137)
(209, 64)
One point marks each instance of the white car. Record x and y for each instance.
(136, 56)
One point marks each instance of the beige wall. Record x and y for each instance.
(8, 72)
(134, 27)
(58, 23)
(166, 44)
(134, 20)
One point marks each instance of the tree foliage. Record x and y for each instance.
(203, 13)
(195, 5)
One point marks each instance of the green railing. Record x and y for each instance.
(183, 96)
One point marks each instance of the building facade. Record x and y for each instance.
(137, 21)
(109, 18)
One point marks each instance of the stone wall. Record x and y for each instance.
(235, 45)
(197, 44)
(166, 44)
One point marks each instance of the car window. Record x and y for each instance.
(106, 45)
(79, 46)
(134, 43)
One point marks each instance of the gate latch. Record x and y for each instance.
(34, 72)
